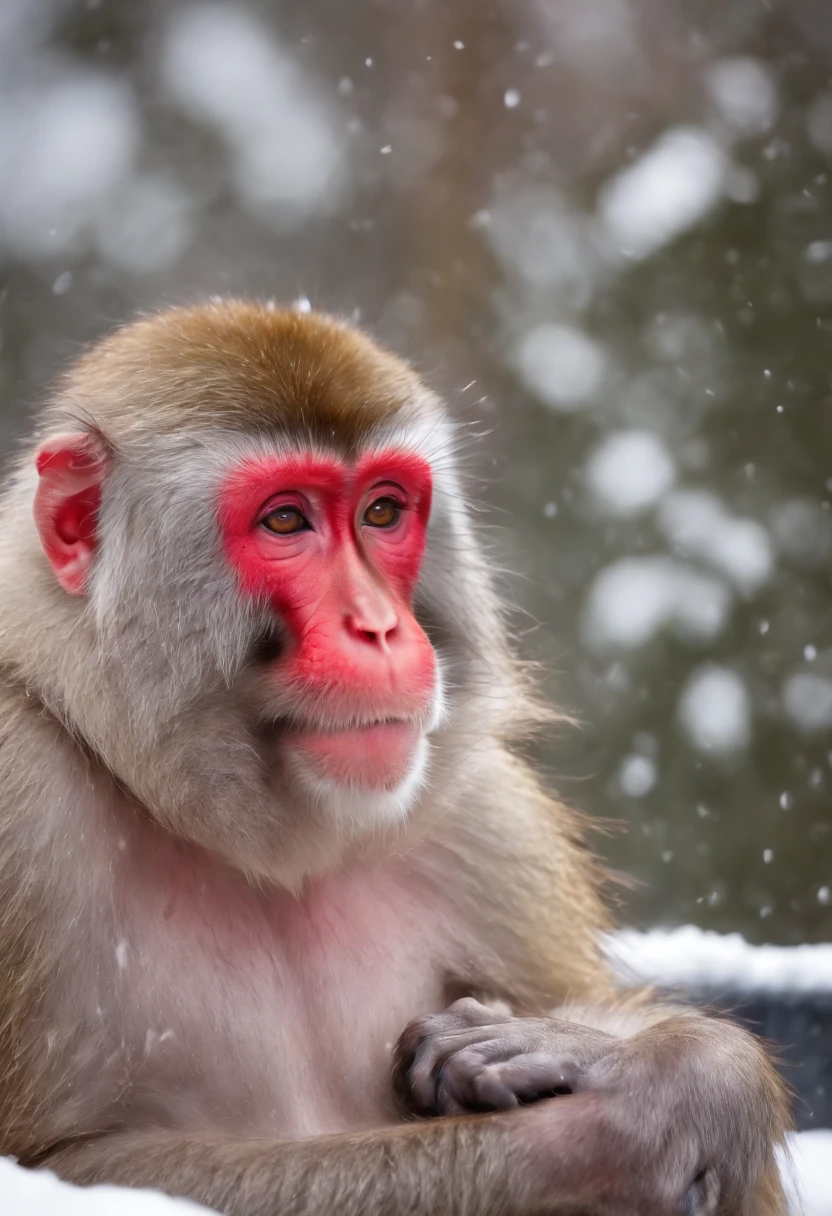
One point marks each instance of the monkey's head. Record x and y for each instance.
(267, 614)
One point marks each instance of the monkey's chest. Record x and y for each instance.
(275, 1015)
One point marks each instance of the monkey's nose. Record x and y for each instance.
(374, 623)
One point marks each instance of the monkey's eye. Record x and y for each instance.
(383, 513)
(285, 520)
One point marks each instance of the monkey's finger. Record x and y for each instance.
(463, 1014)
(469, 1012)
(433, 1058)
(437, 1026)
(449, 1103)
(475, 1079)
(456, 1083)
(525, 1078)
(457, 1055)
(491, 1090)
(422, 1034)
(411, 1038)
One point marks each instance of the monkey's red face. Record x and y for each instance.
(335, 550)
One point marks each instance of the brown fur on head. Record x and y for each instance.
(240, 365)
(151, 670)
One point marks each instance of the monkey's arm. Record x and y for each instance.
(694, 1100)
(527, 1163)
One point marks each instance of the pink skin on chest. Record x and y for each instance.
(296, 1001)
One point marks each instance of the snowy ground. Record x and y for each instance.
(687, 957)
(23, 1193)
(810, 1173)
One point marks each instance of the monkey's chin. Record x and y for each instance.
(378, 756)
(363, 798)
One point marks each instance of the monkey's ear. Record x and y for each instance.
(68, 496)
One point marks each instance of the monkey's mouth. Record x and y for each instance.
(376, 755)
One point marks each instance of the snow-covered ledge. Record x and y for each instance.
(697, 960)
(687, 958)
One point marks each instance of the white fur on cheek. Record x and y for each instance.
(440, 711)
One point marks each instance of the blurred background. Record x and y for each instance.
(603, 231)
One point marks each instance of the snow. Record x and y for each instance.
(807, 1167)
(819, 123)
(628, 603)
(697, 522)
(629, 472)
(539, 238)
(680, 338)
(637, 776)
(666, 192)
(592, 34)
(634, 598)
(700, 604)
(62, 150)
(745, 93)
(30, 1193)
(225, 69)
(742, 185)
(690, 517)
(715, 710)
(23, 26)
(700, 960)
(803, 533)
(807, 701)
(742, 551)
(149, 227)
(63, 283)
(818, 251)
(561, 365)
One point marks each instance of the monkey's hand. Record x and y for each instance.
(682, 1115)
(471, 1058)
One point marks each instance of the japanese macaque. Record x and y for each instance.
(285, 924)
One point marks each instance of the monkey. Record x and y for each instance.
(288, 925)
